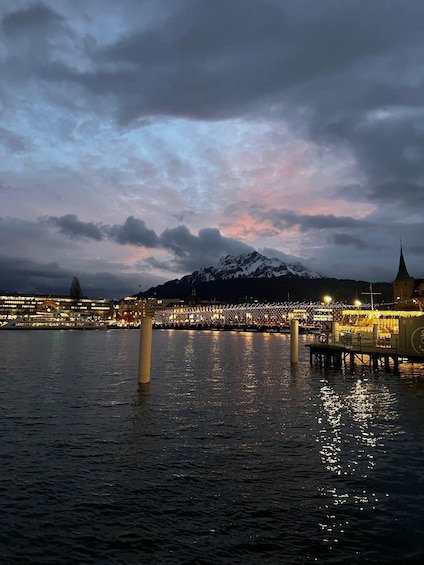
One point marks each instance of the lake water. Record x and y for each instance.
(228, 456)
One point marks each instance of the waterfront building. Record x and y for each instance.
(254, 315)
(130, 310)
(408, 293)
(14, 305)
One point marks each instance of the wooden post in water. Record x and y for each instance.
(294, 341)
(145, 352)
(336, 333)
(374, 334)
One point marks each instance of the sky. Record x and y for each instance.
(141, 140)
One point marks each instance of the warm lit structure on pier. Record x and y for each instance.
(379, 327)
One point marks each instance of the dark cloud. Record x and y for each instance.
(189, 250)
(37, 17)
(401, 194)
(179, 240)
(33, 37)
(286, 219)
(399, 197)
(206, 248)
(134, 232)
(71, 226)
(106, 284)
(24, 275)
(271, 253)
(13, 141)
(345, 239)
(221, 59)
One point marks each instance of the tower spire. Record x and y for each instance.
(402, 275)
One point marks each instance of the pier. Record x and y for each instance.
(337, 356)
(377, 339)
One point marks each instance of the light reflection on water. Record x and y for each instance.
(230, 455)
(356, 424)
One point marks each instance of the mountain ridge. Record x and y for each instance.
(260, 279)
(248, 265)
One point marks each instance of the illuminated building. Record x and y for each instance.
(408, 293)
(13, 305)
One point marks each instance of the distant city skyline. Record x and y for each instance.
(141, 141)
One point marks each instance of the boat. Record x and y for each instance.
(54, 321)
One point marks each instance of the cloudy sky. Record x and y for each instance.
(143, 139)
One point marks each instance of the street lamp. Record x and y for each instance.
(327, 299)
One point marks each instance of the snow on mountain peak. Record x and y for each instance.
(249, 265)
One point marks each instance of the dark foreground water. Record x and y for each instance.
(229, 457)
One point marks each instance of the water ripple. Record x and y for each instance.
(230, 455)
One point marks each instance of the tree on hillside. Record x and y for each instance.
(75, 292)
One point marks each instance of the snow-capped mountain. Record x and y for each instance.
(249, 265)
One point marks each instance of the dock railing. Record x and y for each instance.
(358, 338)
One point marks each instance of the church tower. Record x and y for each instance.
(403, 286)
